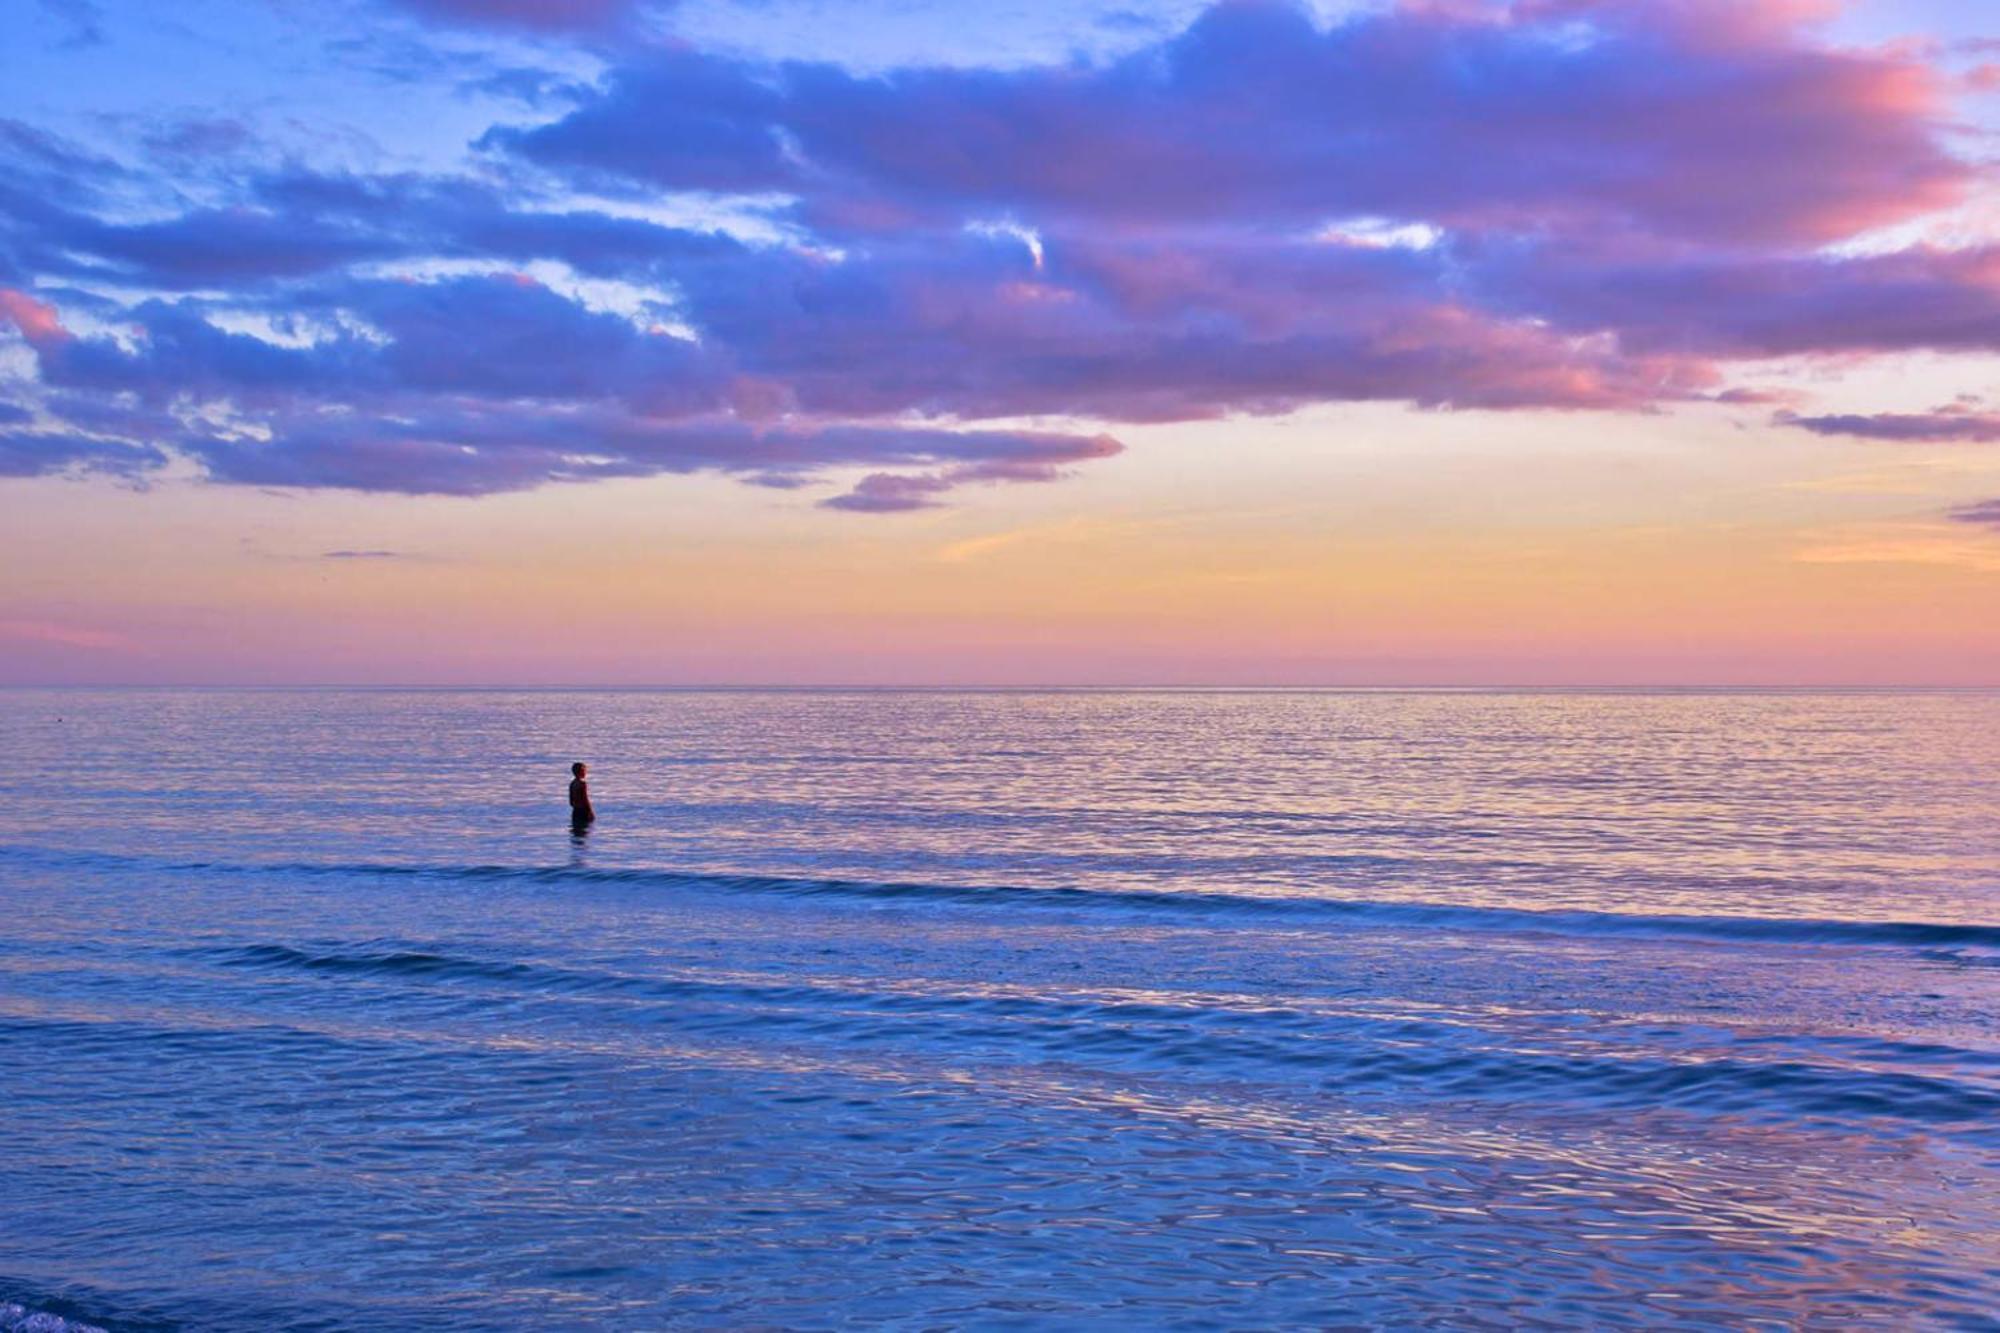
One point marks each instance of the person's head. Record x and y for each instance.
(576, 769)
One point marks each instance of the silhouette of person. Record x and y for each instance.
(581, 816)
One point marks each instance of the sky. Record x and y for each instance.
(1041, 342)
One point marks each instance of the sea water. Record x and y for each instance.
(930, 1010)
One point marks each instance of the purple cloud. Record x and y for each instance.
(1569, 204)
(1956, 424)
(224, 246)
(456, 451)
(1698, 119)
(1137, 330)
(681, 119)
(35, 454)
(888, 493)
(1738, 305)
(994, 457)
(298, 224)
(490, 336)
(544, 16)
(1985, 513)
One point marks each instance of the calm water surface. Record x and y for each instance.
(1147, 1010)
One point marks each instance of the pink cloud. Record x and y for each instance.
(68, 636)
(36, 320)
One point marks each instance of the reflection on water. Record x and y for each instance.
(931, 1009)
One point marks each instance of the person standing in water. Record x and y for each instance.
(580, 814)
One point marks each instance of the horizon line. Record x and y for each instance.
(837, 687)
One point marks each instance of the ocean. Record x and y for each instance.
(1000, 1009)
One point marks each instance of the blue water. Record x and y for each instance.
(931, 1010)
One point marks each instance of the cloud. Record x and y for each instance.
(1955, 424)
(68, 636)
(34, 320)
(526, 85)
(25, 453)
(364, 555)
(1984, 513)
(540, 16)
(887, 493)
(1134, 330)
(456, 451)
(1702, 119)
(1750, 397)
(1543, 204)
(992, 458)
(225, 246)
(1733, 305)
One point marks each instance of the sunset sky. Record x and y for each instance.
(1034, 342)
